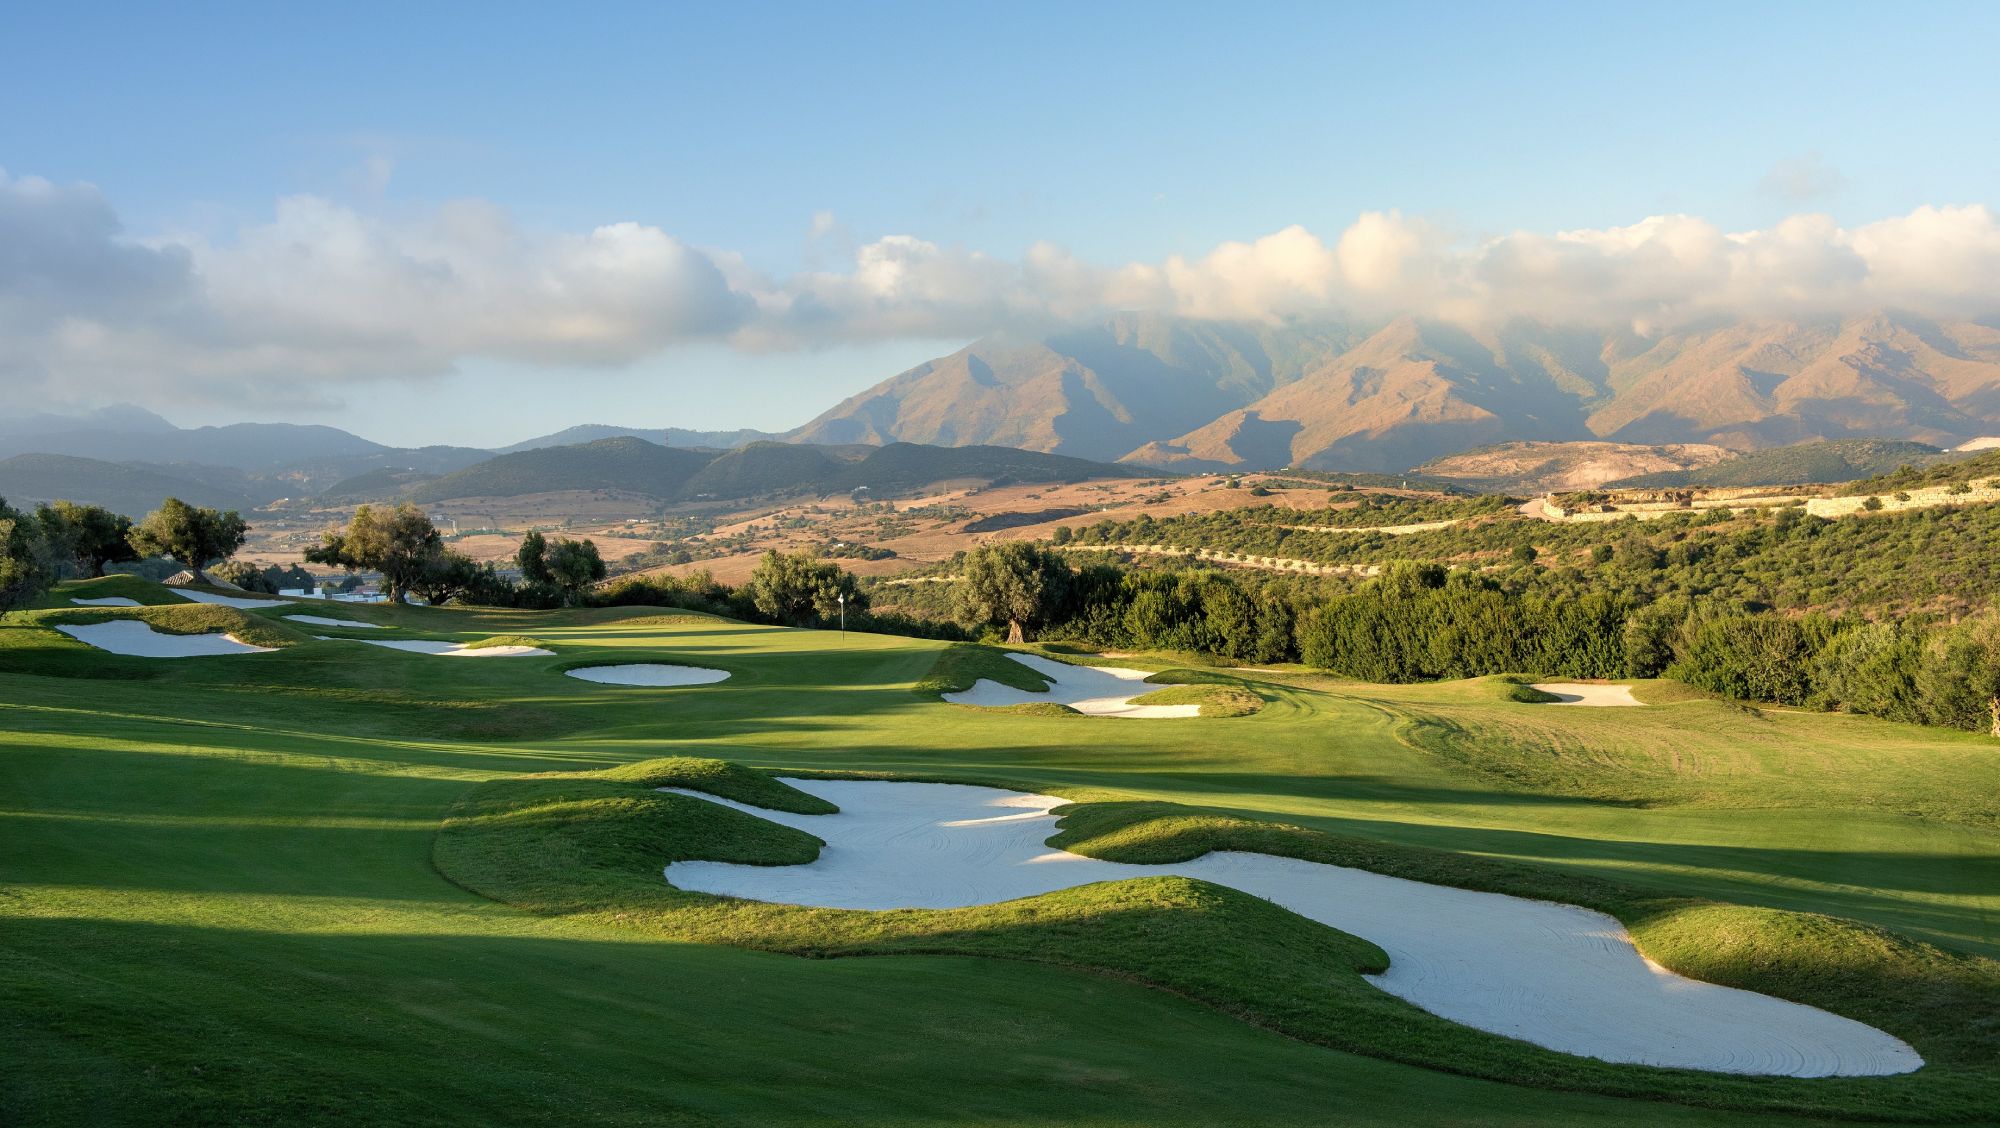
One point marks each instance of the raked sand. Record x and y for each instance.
(1555, 975)
(138, 640)
(1588, 693)
(454, 649)
(654, 674)
(107, 601)
(1101, 691)
(323, 621)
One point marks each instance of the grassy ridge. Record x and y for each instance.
(579, 846)
(959, 666)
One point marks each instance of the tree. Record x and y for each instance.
(194, 536)
(571, 566)
(801, 590)
(1524, 554)
(1017, 584)
(402, 545)
(445, 576)
(24, 570)
(533, 558)
(91, 535)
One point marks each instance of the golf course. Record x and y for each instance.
(307, 866)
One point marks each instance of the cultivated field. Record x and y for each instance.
(343, 883)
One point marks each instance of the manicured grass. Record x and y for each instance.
(1215, 700)
(577, 846)
(221, 904)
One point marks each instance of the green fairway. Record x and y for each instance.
(221, 902)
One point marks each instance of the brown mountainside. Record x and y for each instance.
(1210, 395)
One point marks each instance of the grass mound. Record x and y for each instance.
(507, 640)
(719, 777)
(593, 845)
(185, 619)
(960, 665)
(144, 592)
(1215, 700)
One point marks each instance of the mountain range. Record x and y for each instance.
(1205, 396)
(1177, 395)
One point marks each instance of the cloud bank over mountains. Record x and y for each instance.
(320, 294)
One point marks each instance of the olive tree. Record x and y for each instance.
(572, 566)
(91, 535)
(24, 557)
(802, 590)
(1018, 585)
(402, 544)
(193, 536)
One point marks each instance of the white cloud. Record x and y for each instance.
(287, 310)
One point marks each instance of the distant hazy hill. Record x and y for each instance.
(29, 478)
(1207, 396)
(607, 464)
(664, 436)
(1839, 460)
(672, 474)
(382, 485)
(1546, 467)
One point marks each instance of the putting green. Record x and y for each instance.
(220, 902)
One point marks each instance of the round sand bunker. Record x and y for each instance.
(1588, 693)
(655, 674)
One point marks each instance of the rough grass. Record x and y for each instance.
(960, 665)
(506, 640)
(592, 846)
(1215, 700)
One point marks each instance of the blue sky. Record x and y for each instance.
(1122, 133)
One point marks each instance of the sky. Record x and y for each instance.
(474, 223)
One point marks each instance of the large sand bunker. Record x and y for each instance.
(1588, 693)
(455, 649)
(138, 640)
(1554, 975)
(237, 602)
(323, 621)
(657, 674)
(107, 601)
(1101, 691)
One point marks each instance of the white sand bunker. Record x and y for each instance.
(138, 640)
(649, 674)
(455, 649)
(1554, 975)
(1101, 691)
(323, 621)
(224, 600)
(1588, 693)
(107, 601)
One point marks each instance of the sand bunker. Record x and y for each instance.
(138, 640)
(455, 649)
(225, 600)
(649, 674)
(1101, 691)
(1588, 693)
(1554, 975)
(323, 621)
(107, 601)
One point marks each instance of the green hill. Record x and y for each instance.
(1834, 460)
(623, 463)
(384, 483)
(29, 478)
(762, 468)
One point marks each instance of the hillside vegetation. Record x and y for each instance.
(1836, 460)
